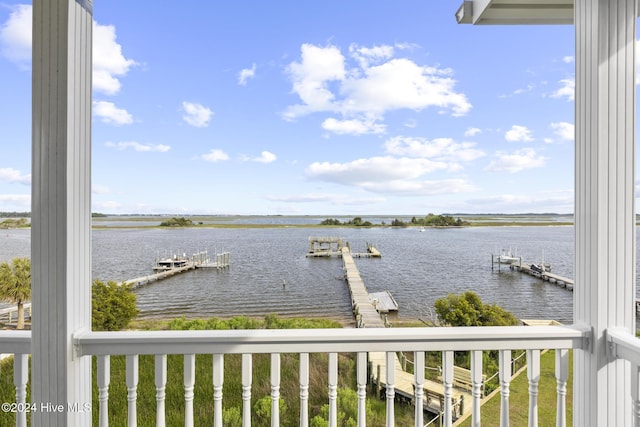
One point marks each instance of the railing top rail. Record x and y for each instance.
(624, 345)
(329, 340)
(15, 342)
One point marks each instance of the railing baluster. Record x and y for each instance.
(247, 376)
(635, 393)
(132, 389)
(533, 375)
(391, 384)
(161, 383)
(189, 385)
(104, 377)
(20, 377)
(304, 389)
(505, 380)
(476, 386)
(333, 389)
(275, 389)
(418, 376)
(218, 380)
(562, 375)
(362, 388)
(447, 381)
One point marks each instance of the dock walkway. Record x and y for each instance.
(368, 317)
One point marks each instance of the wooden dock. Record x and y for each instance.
(547, 276)
(367, 316)
(333, 246)
(171, 267)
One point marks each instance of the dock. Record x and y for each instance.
(171, 266)
(541, 271)
(333, 246)
(547, 276)
(370, 311)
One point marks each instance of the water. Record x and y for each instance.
(417, 267)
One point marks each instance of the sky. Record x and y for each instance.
(334, 108)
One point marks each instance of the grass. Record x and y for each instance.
(519, 398)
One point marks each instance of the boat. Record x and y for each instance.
(175, 261)
(538, 268)
(506, 257)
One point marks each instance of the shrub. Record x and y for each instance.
(113, 306)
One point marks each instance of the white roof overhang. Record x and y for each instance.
(496, 12)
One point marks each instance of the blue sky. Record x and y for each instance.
(252, 107)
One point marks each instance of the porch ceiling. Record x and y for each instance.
(485, 12)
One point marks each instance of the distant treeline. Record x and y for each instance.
(177, 222)
(430, 220)
(15, 214)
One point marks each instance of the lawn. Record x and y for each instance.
(519, 398)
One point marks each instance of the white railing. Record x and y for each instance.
(302, 342)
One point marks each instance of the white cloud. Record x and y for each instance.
(326, 83)
(303, 198)
(517, 161)
(389, 175)
(472, 132)
(15, 36)
(441, 149)
(367, 55)
(100, 189)
(353, 126)
(568, 59)
(402, 84)
(109, 113)
(374, 169)
(422, 188)
(548, 201)
(311, 76)
(109, 64)
(136, 146)
(196, 114)
(15, 202)
(518, 134)
(265, 157)
(564, 130)
(246, 74)
(334, 199)
(215, 155)
(567, 89)
(11, 176)
(108, 61)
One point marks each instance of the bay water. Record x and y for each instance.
(270, 273)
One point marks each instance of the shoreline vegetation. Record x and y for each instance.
(13, 220)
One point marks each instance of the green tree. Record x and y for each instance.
(177, 222)
(15, 284)
(467, 309)
(113, 306)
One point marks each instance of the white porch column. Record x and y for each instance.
(61, 211)
(604, 204)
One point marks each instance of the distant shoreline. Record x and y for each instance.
(321, 221)
(101, 221)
